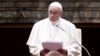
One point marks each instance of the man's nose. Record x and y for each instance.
(52, 15)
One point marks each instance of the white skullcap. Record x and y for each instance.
(56, 4)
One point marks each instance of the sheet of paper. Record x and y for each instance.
(52, 45)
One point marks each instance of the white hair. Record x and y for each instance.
(56, 4)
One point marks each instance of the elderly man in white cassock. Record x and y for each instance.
(47, 30)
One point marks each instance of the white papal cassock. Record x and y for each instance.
(46, 31)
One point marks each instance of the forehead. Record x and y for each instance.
(53, 8)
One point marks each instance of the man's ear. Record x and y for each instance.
(61, 14)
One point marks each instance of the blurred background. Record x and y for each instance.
(30, 11)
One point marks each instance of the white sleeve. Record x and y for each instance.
(33, 41)
(33, 37)
(34, 50)
(75, 47)
(74, 51)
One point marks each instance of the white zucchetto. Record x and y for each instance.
(56, 4)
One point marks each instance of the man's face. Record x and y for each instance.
(54, 13)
